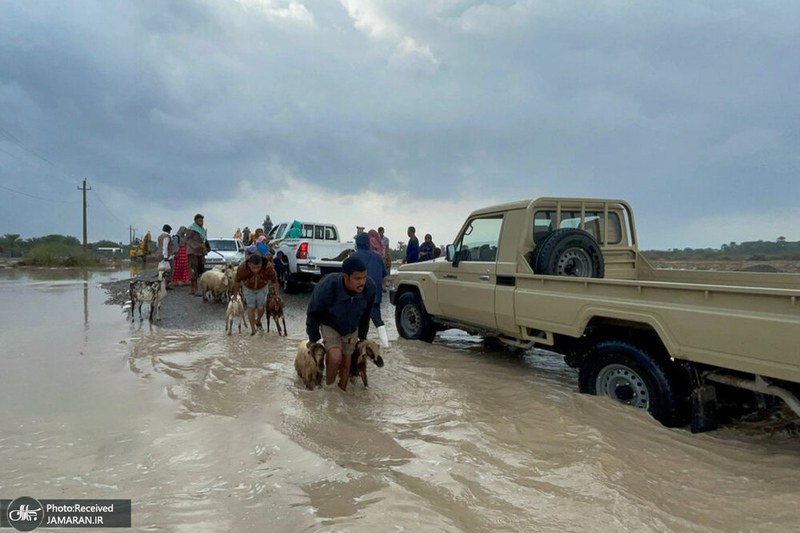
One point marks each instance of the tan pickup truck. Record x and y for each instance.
(565, 274)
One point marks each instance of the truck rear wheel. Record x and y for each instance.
(287, 280)
(411, 319)
(628, 374)
(569, 252)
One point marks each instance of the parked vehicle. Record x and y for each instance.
(566, 275)
(308, 252)
(225, 251)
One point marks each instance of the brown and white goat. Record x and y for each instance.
(235, 310)
(310, 364)
(365, 349)
(150, 292)
(275, 311)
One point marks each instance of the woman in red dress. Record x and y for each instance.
(181, 274)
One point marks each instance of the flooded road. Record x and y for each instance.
(205, 432)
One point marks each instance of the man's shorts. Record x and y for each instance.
(255, 299)
(332, 339)
(197, 264)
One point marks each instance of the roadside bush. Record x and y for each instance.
(80, 259)
(57, 254)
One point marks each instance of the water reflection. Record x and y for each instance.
(86, 277)
(136, 270)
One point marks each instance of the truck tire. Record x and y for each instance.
(568, 252)
(411, 319)
(288, 281)
(628, 374)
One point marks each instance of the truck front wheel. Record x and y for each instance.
(628, 374)
(411, 319)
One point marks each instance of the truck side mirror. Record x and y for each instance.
(450, 252)
(457, 256)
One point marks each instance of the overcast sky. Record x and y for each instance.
(396, 113)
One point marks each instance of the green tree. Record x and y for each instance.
(10, 242)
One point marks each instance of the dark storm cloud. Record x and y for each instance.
(687, 109)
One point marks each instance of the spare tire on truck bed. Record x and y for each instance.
(568, 252)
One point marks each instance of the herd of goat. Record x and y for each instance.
(217, 284)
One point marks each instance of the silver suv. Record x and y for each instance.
(225, 251)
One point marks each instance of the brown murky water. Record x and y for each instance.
(206, 432)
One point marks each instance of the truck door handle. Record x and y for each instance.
(450, 276)
(484, 278)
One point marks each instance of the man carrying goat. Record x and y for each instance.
(255, 274)
(339, 313)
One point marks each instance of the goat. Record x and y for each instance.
(230, 273)
(229, 269)
(365, 349)
(216, 283)
(151, 292)
(235, 309)
(310, 364)
(275, 311)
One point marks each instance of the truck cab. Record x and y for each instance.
(473, 286)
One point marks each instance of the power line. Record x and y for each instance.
(37, 197)
(97, 195)
(14, 156)
(12, 139)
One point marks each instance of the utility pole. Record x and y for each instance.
(84, 189)
(131, 234)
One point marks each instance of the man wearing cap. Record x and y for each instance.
(166, 252)
(255, 276)
(339, 313)
(196, 248)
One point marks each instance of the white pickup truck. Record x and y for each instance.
(317, 251)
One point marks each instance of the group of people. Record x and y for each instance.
(184, 253)
(378, 242)
(341, 305)
(416, 252)
(249, 237)
(254, 277)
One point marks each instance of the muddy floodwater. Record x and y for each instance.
(205, 432)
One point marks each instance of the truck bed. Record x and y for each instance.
(739, 320)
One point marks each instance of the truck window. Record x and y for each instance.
(479, 241)
(277, 232)
(330, 233)
(544, 223)
(308, 231)
(319, 232)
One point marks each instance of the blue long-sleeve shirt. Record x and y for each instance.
(334, 306)
(412, 251)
